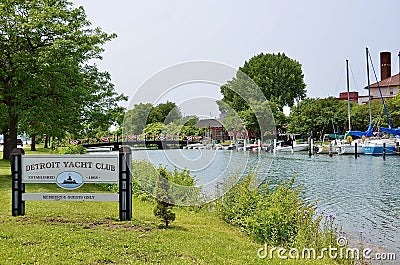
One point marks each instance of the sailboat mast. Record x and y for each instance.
(369, 89)
(348, 93)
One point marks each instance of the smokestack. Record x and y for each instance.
(386, 65)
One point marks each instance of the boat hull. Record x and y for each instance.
(296, 148)
(349, 150)
(324, 149)
(378, 150)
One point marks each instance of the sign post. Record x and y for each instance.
(125, 184)
(18, 205)
(70, 172)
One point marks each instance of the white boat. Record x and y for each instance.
(327, 149)
(375, 147)
(194, 146)
(288, 144)
(295, 148)
(347, 148)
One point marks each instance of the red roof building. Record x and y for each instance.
(353, 95)
(389, 87)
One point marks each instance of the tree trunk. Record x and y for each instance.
(12, 139)
(46, 141)
(33, 142)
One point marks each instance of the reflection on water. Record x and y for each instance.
(362, 193)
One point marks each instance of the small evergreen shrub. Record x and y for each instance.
(163, 206)
(172, 189)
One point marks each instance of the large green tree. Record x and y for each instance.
(269, 81)
(46, 76)
(279, 77)
(93, 113)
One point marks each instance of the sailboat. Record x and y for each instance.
(394, 132)
(376, 146)
(369, 132)
(351, 147)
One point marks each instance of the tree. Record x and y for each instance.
(45, 50)
(260, 118)
(184, 126)
(165, 113)
(266, 81)
(170, 112)
(234, 124)
(155, 128)
(393, 106)
(329, 115)
(93, 113)
(360, 115)
(279, 78)
(155, 115)
(104, 110)
(279, 117)
(136, 119)
(143, 114)
(318, 116)
(163, 206)
(174, 188)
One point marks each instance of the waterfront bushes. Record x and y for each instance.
(181, 189)
(164, 188)
(276, 216)
(70, 149)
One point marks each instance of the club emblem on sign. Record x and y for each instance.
(69, 180)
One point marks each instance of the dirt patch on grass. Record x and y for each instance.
(103, 224)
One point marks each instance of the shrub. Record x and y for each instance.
(144, 179)
(174, 188)
(276, 216)
(163, 206)
(239, 203)
(280, 216)
(181, 190)
(71, 149)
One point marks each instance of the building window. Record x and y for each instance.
(391, 91)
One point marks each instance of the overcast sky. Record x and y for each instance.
(320, 34)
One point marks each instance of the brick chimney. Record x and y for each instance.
(386, 65)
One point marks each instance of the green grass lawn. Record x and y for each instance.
(90, 233)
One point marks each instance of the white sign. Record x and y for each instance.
(70, 171)
(95, 197)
